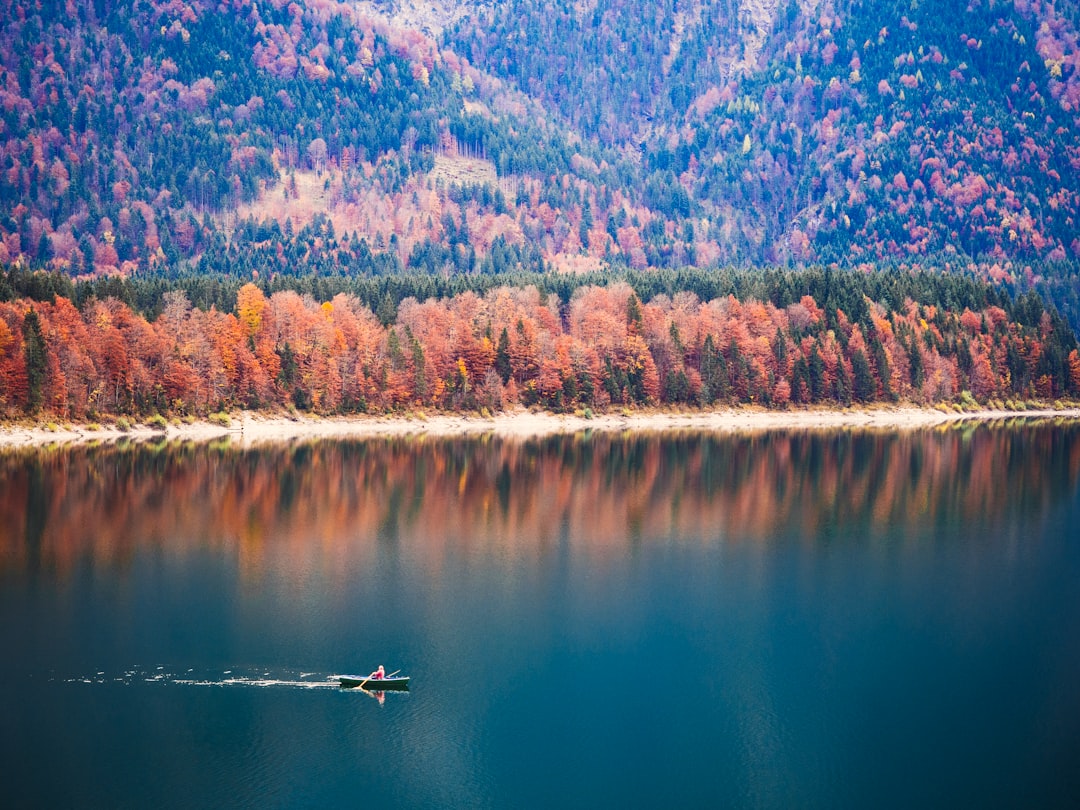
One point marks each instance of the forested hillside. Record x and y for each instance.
(132, 131)
(774, 339)
(851, 131)
(353, 147)
(652, 134)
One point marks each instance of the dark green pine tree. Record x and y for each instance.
(633, 312)
(800, 381)
(36, 361)
(842, 392)
(289, 366)
(386, 311)
(44, 249)
(502, 357)
(915, 365)
(881, 361)
(714, 373)
(780, 348)
(863, 384)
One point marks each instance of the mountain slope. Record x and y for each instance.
(851, 131)
(123, 130)
(134, 135)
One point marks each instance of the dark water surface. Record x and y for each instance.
(782, 620)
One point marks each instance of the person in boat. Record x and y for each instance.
(378, 674)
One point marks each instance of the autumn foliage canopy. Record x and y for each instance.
(510, 345)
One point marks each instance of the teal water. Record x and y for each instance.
(785, 619)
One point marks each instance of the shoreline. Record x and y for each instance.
(249, 428)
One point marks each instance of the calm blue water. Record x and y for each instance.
(784, 620)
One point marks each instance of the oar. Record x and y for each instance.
(391, 675)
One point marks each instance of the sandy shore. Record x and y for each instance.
(248, 428)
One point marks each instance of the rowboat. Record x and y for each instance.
(374, 684)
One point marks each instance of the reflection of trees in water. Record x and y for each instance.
(333, 505)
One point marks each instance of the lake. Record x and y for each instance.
(779, 619)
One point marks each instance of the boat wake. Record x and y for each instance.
(228, 678)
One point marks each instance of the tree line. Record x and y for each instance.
(784, 339)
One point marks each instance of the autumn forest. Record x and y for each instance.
(328, 206)
(602, 346)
